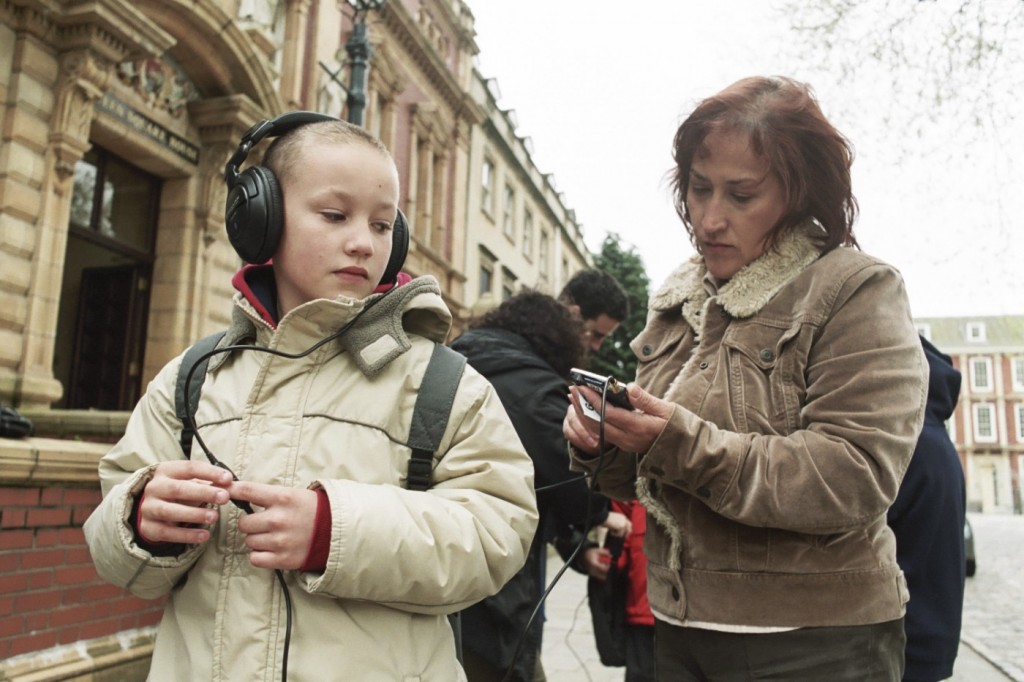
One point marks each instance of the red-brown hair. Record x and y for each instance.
(786, 127)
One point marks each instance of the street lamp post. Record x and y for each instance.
(359, 51)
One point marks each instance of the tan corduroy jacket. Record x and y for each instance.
(399, 560)
(800, 390)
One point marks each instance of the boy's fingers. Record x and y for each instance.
(258, 493)
(163, 512)
(187, 470)
(188, 491)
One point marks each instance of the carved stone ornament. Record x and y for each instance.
(82, 79)
(160, 84)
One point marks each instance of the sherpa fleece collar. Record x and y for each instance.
(748, 290)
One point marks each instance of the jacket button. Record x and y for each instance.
(675, 593)
(767, 354)
(704, 365)
(647, 349)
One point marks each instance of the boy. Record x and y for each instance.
(316, 443)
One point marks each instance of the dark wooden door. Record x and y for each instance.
(109, 335)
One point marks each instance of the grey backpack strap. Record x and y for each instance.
(200, 348)
(430, 414)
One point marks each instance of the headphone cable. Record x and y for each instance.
(244, 504)
(587, 526)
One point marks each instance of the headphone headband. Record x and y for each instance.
(254, 213)
(271, 127)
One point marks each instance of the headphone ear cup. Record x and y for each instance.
(255, 215)
(399, 249)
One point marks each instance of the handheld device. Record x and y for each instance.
(615, 393)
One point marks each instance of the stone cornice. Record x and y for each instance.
(40, 461)
(113, 28)
(403, 28)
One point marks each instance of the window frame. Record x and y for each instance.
(973, 375)
(487, 171)
(975, 332)
(508, 219)
(528, 229)
(976, 410)
(1017, 373)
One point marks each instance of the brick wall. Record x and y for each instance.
(50, 595)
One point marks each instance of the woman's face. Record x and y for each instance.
(734, 202)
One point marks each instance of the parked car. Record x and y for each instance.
(969, 547)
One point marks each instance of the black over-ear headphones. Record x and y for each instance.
(255, 209)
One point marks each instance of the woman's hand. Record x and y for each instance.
(631, 430)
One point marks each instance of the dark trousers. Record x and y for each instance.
(860, 653)
(640, 653)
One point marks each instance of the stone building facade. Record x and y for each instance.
(116, 120)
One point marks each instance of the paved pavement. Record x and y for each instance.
(991, 650)
(994, 598)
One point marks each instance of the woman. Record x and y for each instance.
(779, 393)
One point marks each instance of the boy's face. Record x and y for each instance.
(340, 203)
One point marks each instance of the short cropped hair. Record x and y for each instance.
(549, 327)
(788, 129)
(283, 154)
(596, 292)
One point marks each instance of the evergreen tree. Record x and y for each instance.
(625, 265)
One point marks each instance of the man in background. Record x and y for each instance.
(599, 300)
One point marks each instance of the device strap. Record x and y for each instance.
(431, 411)
(198, 349)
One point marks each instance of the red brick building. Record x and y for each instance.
(988, 424)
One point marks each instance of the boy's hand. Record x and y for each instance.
(279, 534)
(178, 496)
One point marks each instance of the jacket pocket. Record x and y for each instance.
(765, 376)
(661, 352)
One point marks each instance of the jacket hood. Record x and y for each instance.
(943, 382)
(749, 289)
(494, 351)
(380, 323)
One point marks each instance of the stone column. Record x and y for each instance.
(83, 78)
(293, 52)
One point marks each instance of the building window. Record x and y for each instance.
(487, 261)
(1017, 364)
(925, 330)
(950, 425)
(542, 256)
(487, 187)
(528, 234)
(984, 423)
(508, 284)
(981, 375)
(509, 221)
(976, 332)
(1018, 419)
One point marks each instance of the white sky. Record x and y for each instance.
(600, 88)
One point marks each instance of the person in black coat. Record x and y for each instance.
(928, 521)
(525, 348)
